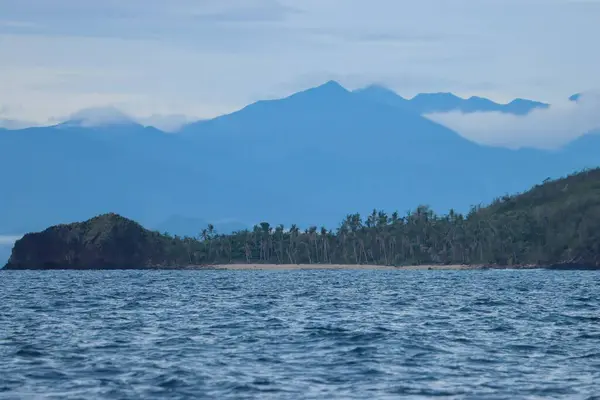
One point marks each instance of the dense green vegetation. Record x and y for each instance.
(557, 222)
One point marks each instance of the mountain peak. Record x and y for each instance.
(325, 92)
(519, 100)
(436, 102)
(523, 106)
(437, 95)
(379, 91)
(383, 95)
(479, 98)
(333, 84)
(376, 88)
(328, 87)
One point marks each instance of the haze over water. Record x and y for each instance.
(302, 334)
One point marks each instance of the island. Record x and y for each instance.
(555, 224)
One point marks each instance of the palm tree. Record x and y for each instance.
(312, 237)
(291, 251)
(325, 244)
(279, 237)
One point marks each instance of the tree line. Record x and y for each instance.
(555, 222)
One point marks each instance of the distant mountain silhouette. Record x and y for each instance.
(427, 103)
(303, 159)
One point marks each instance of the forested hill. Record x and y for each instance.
(556, 223)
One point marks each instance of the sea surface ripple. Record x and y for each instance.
(300, 334)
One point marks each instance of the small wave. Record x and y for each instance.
(170, 383)
(29, 352)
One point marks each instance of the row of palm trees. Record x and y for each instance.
(419, 237)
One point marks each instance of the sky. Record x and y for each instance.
(8, 240)
(201, 58)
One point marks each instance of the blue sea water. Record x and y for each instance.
(300, 334)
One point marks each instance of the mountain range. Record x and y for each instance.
(303, 159)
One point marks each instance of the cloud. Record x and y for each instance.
(99, 116)
(137, 19)
(109, 115)
(15, 124)
(245, 11)
(9, 123)
(542, 128)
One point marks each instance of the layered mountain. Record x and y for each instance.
(308, 158)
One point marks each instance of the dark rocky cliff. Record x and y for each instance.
(108, 241)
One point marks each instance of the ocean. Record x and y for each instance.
(493, 334)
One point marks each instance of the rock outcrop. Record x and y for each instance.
(108, 241)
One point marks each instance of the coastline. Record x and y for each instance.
(339, 267)
(291, 267)
(296, 267)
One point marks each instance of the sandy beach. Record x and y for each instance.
(284, 267)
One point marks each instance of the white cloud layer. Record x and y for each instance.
(99, 116)
(542, 128)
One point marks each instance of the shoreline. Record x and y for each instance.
(338, 267)
(291, 267)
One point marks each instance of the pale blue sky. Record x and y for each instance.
(8, 241)
(205, 57)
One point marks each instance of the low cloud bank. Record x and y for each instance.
(12, 124)
(548, 128)
(99, 116)
(102, 116)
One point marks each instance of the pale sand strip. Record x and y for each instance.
(287, 267)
